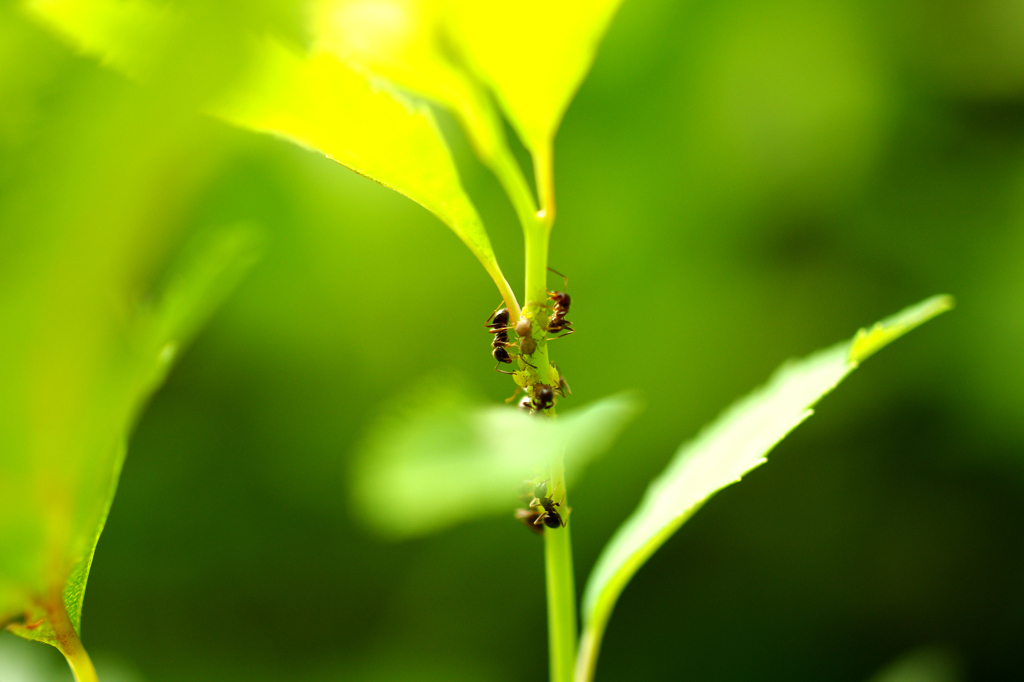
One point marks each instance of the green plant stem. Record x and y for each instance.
(561, 589)
(506, 291)
(69, 644)
(536, 235)
(510, 175)
(544, 177)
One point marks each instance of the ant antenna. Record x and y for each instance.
(493, 312)
(560, 275)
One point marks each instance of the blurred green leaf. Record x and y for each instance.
(55, 507)
(533, 55)
(207, 271)
(928, 664)
(737, 442)
(313, 99)
(441, 459)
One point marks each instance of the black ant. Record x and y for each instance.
(543, 397)
(498, 325)
(541, 512)
(560, 308)
(498, 320)
(550, 518)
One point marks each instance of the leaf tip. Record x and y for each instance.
(868, 341)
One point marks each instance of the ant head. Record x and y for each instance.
(500, 318)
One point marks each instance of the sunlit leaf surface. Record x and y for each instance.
(443, 459)
(738, 441)
(262, 83)
(410, 43)
(533, 55)
(406, 42)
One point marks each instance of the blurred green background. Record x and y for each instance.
(738, 182)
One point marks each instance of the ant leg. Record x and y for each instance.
(568, 330)
(501, 371)
(513, 396)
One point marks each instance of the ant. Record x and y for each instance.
(560, 308)
(541, 512)
(498, 320)
(543, 398)
(550, 517)
(497, 323)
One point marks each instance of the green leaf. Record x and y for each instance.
(533, 55)
(209, 268)
(404, 42)
(407, 42)
(440, 459)
(738, 441)
(56, 505)
(314, 99)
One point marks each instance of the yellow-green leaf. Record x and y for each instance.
(533, 55)
(868, 341)
(262, 84)
(737, 442)
(408, 42)
(404, 42)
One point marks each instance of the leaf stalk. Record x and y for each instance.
(69, 644)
